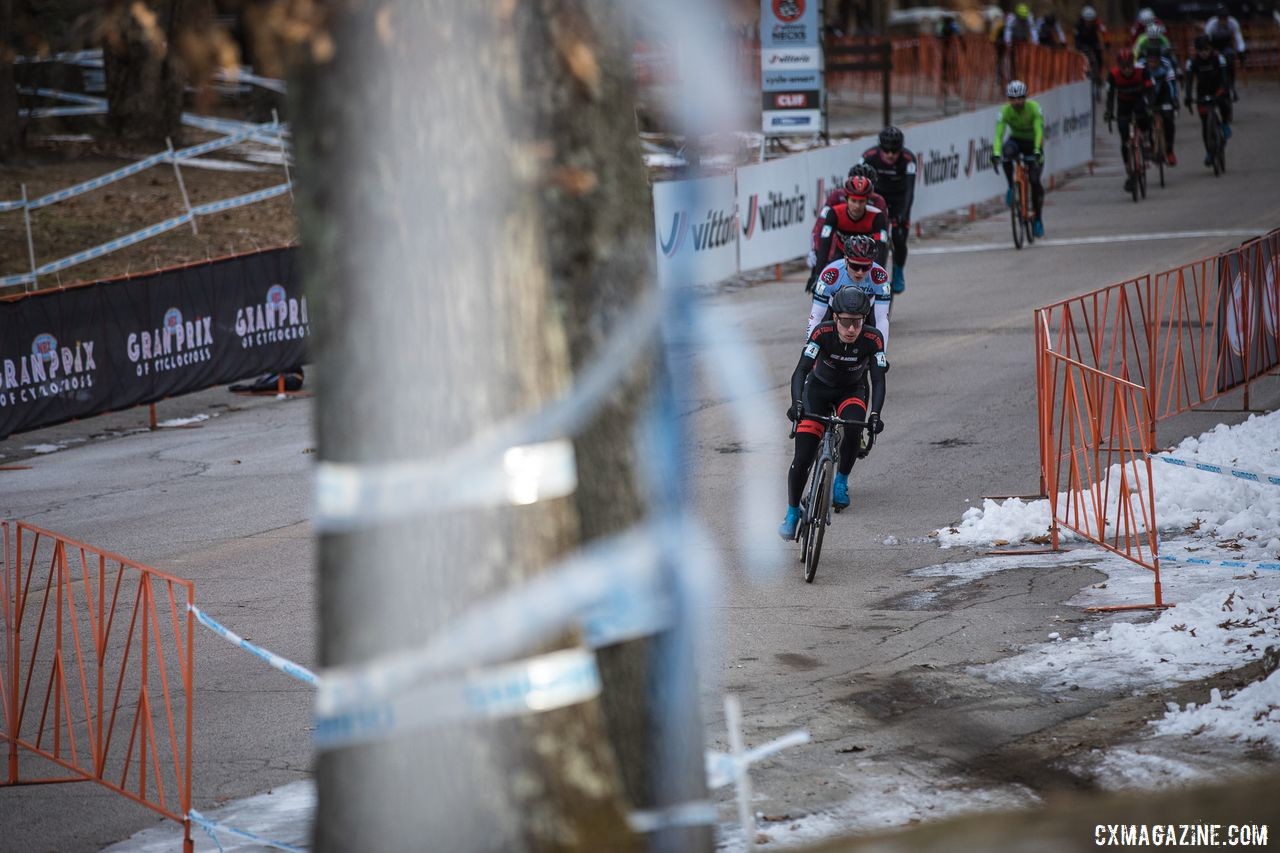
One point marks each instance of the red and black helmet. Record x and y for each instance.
(856, 186)
(1125, 56)
(860, 248)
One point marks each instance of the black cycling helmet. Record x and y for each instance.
(860, 248)
(891, 139)
(851, 300)
(864, 170)
(1221, 10)
(1202, 42)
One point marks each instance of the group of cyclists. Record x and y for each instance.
(843, 366)
(1146, 77)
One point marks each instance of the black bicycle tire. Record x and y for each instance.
(819, 520)
(1015, 215)
(1135, 157)
(1142, 181)
(1222, 150)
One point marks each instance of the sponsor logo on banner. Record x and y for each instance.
(277, 319)
(940, 166)
(781, 59)
(788, 11)
(175, 344)
(714, 231)
(979, 155)
(781, 212)
(47, 371)
(1271, 296)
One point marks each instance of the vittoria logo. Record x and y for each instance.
(781, 212)
(47, 371)
(941, 166)
(177, 343)
(278, 318)
(979, 155)
(714, 231)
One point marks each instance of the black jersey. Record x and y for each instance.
(1206, 76)
(835, 363)
(897, 182)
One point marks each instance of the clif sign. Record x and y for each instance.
(791, 66)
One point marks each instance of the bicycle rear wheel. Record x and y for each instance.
(1214, 132)
(1015, 215)
(818, 525)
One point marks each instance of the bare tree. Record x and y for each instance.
(10, 139)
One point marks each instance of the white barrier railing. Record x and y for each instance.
(763, 214)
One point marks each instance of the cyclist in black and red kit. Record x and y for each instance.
(1129, 90)
(837, 198)
(855, 216)
(830, 378)
(896, 180)
(1209, 80)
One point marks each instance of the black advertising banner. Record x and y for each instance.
(114, 344)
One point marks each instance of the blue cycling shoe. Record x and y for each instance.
(899, 282)
(1208, 159)
(840, 492)
(1037, 228)
(787, 530)
(1226, 130)
(1008, 197)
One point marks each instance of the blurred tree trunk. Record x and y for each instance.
(436, 209)
(145, 77)
(10, 140)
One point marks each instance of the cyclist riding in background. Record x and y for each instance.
(1019, 28)
(895, 177)
(1025, 123)
(837, 198)
(1225, 36)
(1090, 36)
(1128, 91)
(855, 216)
(1208, 80)
(1146, 18)
(830, 378)
(1049, 31)
(1154, 36)
(1163, 75)
(858, 270)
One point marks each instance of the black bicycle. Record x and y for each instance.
(815, 504)
(1021, 210)
(1215, 141)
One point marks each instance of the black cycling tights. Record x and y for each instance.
(809, 437)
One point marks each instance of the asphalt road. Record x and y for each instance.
(854, 658)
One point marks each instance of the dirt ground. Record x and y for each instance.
(60, 157)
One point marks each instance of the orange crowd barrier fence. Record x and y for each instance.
(1113, 363)
(97, 671)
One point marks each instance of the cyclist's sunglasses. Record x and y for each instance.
(860, 266)
(849, 321)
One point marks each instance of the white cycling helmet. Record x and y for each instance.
(1016, 89)
(1088, 13)
(1146, 16)
(1155, 31)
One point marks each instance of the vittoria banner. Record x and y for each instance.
(110, 345)
(1248, 311)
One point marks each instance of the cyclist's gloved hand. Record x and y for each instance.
(995, 161)
(813, 279)
(795, 412)
(1108, 117)
(1039, 158)
(877, 425)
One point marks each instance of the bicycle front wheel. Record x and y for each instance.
(1015, 215)
(821, 509)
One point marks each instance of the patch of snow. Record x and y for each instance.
(177, 422)
(284, 814)
(44, 448)
(1249, 715)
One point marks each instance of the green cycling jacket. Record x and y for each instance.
(1024, 126)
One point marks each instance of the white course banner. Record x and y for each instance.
(696, 229)
(828, 167)
(775, 209)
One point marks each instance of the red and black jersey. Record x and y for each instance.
(837, 224)
(896, 181)
(832, 362)
(1128, 90)
(836, 198)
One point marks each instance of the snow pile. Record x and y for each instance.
(1211, 633)
(1238, 519)
(181, 422)
(1251, 714)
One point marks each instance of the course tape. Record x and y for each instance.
(543, 683)
(114, 245)
(351, 496)
(51, 112)
(213, 828)
(723, 768)
(696, 813)
(1238, 473)
(613, 588)
(100, 181)
(272, 659)
(240, 200)
(1268, 565)
(58, 94)
(24, 278)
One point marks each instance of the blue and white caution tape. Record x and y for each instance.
(213, 828)
(350, 496)
(543, 683)
(100, 181)
(56, 112)
(82, 57)
(722, 767)
(114, 245)
(272, 659)
(58, 94)
(1227, 470)
(611, 588)
(24, 278)
(215, 144)
(696, 813)
(240, 200)
(1266, 565)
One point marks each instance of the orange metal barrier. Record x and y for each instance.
(97, 666)
(1112, 363)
